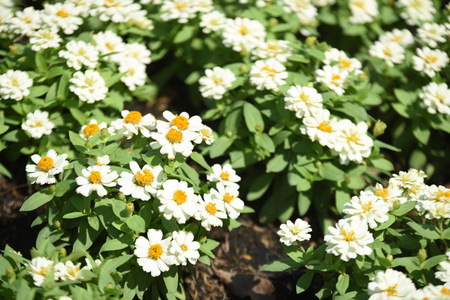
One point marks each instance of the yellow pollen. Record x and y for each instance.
(74, 272)
(95, 177)
(272, 47)
(14, 81)
(336, 77)
(391, 290)
(90, 130)
(205, 132)
(228, 198)
(387, 51)
(184, 247)
(62, 13)
(174, 136)
(345, 63)
(45, 163)
(37, 124)
(381, 193)
(441, 194)
(131, 72)
(211, 208)
(144, 177)
(325, 126)
(445, 291)
(366, 207)
(180, 5)
(304, 97)
(26, 19)
(155, 251)
(110, 46)
(244, 30)
(42, 271)
(133, 117)
(225, 175)
(360, 4)
(181, 122)
(430, 58)
(353, 139)
(272, 71)
(179, 197)
(348, 237)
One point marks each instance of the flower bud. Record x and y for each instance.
(88, 144)
(273, 22)
(244, 68)
(62, 253)
(379, 128)
(104, 133)
(10, 272)
(57, 224)
(362, 77)
(121, 196)
(422, 255)
(51, 188)
(229, 133)
(389, 257)
(129, 208)
(13, 49)
(311, 40)
(310, 85)
(258, 128)
(397, 204)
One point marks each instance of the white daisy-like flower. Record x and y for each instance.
(403, 37)
(138, 52)
(294, 232)
(92, 128)
(15, 85)
(212, 22)
(109, 43)
(139, 19)
(26, 21)
(305, 11)
(216, 82)
(45, 38)
(322, 3)
(94, 179)
(182, 122)
(39, 268)
(117, 11)
(230, 197)
(363, 11)
(6, 4)
(412, 182)
(432, 33)
(390, 284)
(348, 239)
(177, 200)
(153, 255)
(344, 62)
(134, 123)
(301, 100)
(439, 292)
(181, 10)
(333, 77)
(443, 273)
(352, 142)
(242, 34)
(38, 124)
(172, 141)
(436, 98)
(416, 11)
(210, 212)
(99, 161)
(80, 53)
(205, 135)
(184, 248)
(367, 208)
(430, 61)
(389, 195)
(68, 271)
(268, 74)
(5, 19)
(224, 174)
(434, 210)
(203, 6)
(135, 73)
(142, 182)
(319, 127)
(85, 6)
(276, 49)
(89, 86)
(62, 15)
(392, 53)
(46, 167)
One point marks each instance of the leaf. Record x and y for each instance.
(77, 141)
(171, 281)
(185, 34)
(382, 164)
(280, 265)
(304, 282)
(113, 245)
(421, 131)
(432, 261)
(64, 186)
(404, 208)
(37, 199)
(78, 115)
(406, 98)
(298, 58)
(386, 224)
(136, 223)
(265, 141)
(190, 173)
(41, 65)
(253, 118)
(4, 171)
(219, 147)
(426, 230)
(259, 186)
(74, 215)
(330, 172)
(278, 163)
(303, 203)
(208, 247)
(342, 283)
(63, 89)
(342, 197)
(198, 158)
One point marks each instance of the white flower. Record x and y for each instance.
(436, 98)
(182, 122)
(89, 86)
(46, 167)
(391, 285)
(205, 135)
(431, 34)
(301, 100)
(392, 53)
(277, 49)
(118, 11)
(210, 212)
(268, 74)
(181, 10)
(294, 232)
(39, 268)
(177, 200)
(152, 253)
(133, 122)
(230, 196)
(243, 34)
(321, 3)
(319, 127)
(184, 248)
(85, 6)
(225, 175)
(92, 128)
(94, 179)
(203, 6)
(305, 11)
(135, 73)
(363, 11)
(142, 182)
(216, 82)
(15, 85)
(45, 38)
(107, 43)
(99, 161)
(26, 21)
(348, 239)
(213, 21)
(333, 77)
(38, 124)
(402, 37)
(443, 273)
(352, 142)
(416, 11)
(412, 182)
(440, 292)
(434, 210)
(172, 141)
(367, 208)
(138, 52)
(390, 194)
(68, 271)
(80, 53)
(344, 62)
(430, 61)
(140, 20)
(62, 15)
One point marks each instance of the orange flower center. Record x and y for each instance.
(345, 63)
(228, 198)
(336, 77)
(225, 175)
(110, 46)
(441, 194)
(155, 251)
(95, 177)
(391, 290)
(349, 237)
(181, 122)
(174, 136)
(366, 206)
(179, 197)
(325, 126)
(184, 247)
(303, 97)
(133, 117)
(211, 208)
(62, 13)
(353, 138)
(45, 163)
(430, 58)
(90, 130)
(144, 177)
(445, 291)
(381, 193)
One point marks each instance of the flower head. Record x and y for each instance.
(184, 248)
(224, 174)
(430, 61)
(133, 123)
(436, 98)
(46, 167)
(352, 142)
(40, 268)
(367, 208)
(216, 82)
(89, 86)
(80, 54)
(95, 178)
(230, 197)
(294, 232)
(243, 34)
(210, 212)
(38, 124)
(268, 74)
(390, 284)
(15, 85)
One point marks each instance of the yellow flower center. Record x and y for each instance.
(95, 177)
(42, 272)
(336, 77)
(144, 177)
(381, 193)
(180, 5)
(391, 290)
(184, 247)
(345, 63)
(181, 122)
(366, 206)
(174, 136)
(325, 126)
(62, 13)
(445, 291)
(155, 251)
(268, 69)
(131, 72)
(225, 175)
(431, 58)
(45, 163)
(303, 97)
(353, 138)
(133, 117)
(74, 271)
(110, 46)
(211, 208)
(228, 198)
(349, 237)
(442, 194)
(179, 197)
(358, 3)
(90, 130)
(244, 30)
(14, 81)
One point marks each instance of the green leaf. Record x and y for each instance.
(304, 282)
(382, 164)
(421, 131)
(281, 265)
(386, 224)
(171, 281)
(185, 34)
(4, 171)
(77, 141)
(253, 118)
(219, 147)
(63, 89)
(64, 186)
(198, 158)
(330, 172)
(404, 208)
(113, 245)
(78, 115)
(190, 173)
(278, 163)
(41, 65)
(298, 58)
(406, 98)
(136, 223)
(432, 261)
(342, 197)
(303, 203)
(37, 199)
(426, 230)
(74, 215)
(265, 141)
(259, 186)
(342, 283)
